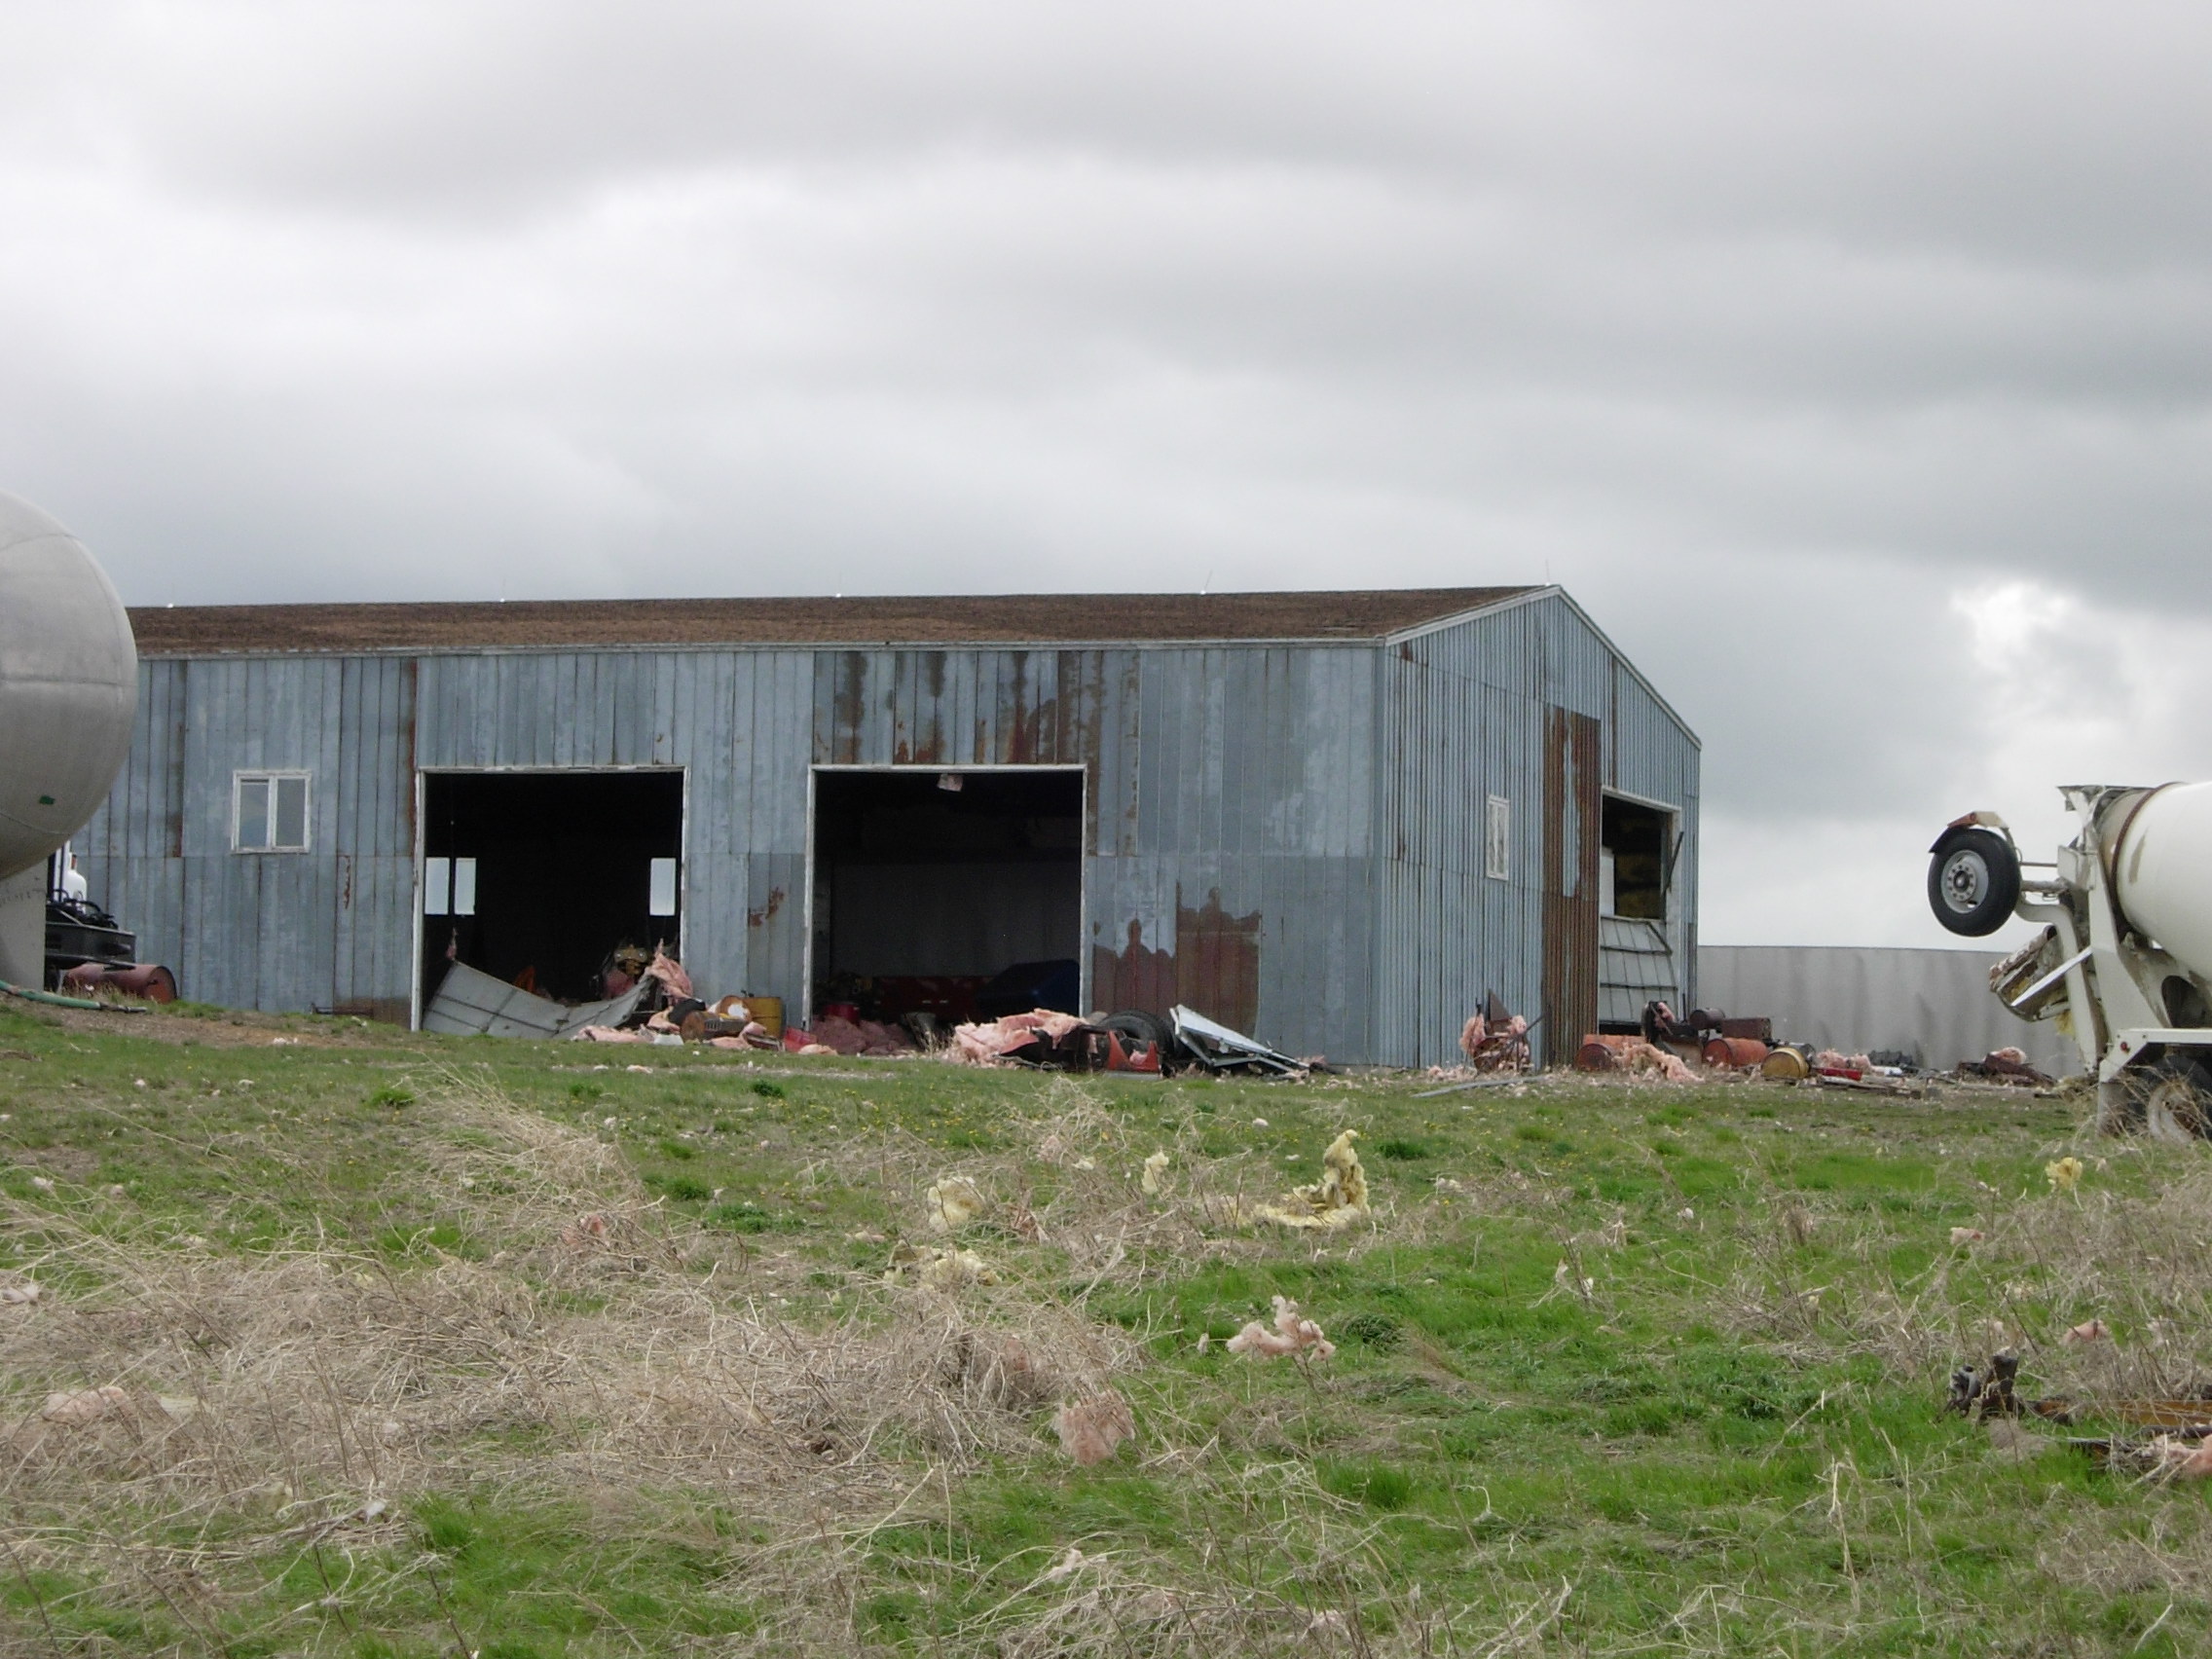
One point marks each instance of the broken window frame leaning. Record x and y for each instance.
(1497, 838)
(270, 781)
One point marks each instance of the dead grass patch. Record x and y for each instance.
(604, 1345)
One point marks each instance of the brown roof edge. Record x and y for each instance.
(214, 630)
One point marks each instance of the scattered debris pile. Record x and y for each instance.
(1607, 1051)
(1131, 1041)
(2168, 1437)
(2006, 1066)
(1495, 1039)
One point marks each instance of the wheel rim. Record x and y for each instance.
(1965, 880)
(2174, 1110)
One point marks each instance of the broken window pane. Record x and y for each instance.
(253, 814)
(465, 887)
(661, 900)
(438, 884)
(291, 813)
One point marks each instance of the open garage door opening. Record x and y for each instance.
(957, 895)
(538, 878)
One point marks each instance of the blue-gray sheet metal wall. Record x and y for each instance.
(1488, 707)
(1288, 837)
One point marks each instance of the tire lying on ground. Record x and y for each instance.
(1974, 880)
(1143, 1027)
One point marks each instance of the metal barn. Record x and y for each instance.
(1334, 820)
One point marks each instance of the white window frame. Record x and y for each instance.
(449, 886)
(1497, 838)
(270, 775)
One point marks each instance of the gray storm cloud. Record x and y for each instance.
(1851, 363)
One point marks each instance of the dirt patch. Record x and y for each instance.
(240, 1029)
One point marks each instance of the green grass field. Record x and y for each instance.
(436, 1347)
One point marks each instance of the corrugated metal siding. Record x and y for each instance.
(1462, 712)
(1229, 797)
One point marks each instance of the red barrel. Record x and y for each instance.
(1736, 1054)
(1594, 1055)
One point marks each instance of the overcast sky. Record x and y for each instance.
(1851, 363)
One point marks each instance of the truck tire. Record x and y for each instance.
(1143, 1026)
(2176, 1103)
(1974, 881)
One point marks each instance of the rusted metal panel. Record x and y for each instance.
(1573, 794)
(1210, 962)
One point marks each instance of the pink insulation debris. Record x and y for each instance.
(853, 1037)
(1294, 1335)
(984, 1044)
(670, 973)
(1650, 1060)
(1617, 1053)
(1090, 1429)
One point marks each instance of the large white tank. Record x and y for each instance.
(68, 686)
(2161, 869)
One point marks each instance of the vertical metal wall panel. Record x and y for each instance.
(1464, 718)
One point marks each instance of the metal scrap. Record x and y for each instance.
(1218, 1048)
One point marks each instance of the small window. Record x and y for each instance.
(269, 812)
(449, 887)
(1497, 839)
(660, 899)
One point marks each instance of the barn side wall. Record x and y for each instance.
(1519, 703)
(1230, 792)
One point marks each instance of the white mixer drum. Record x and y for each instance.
(68, 686)
(2162, 870)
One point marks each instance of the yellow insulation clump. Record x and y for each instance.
(1337, 1200)
(953, 1203)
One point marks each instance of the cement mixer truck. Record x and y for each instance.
(2122, 955)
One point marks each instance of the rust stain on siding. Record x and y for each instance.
(918, 718)
(1571, 807)
(1214, 966)
(172, 804)
(847, 705)
(761, 915)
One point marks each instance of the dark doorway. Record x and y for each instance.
(533, 877)
(931, 886)
(1637, 860)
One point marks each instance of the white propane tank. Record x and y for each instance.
(2161, 872)
(68, 686)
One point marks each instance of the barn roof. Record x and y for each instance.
(210, 630)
